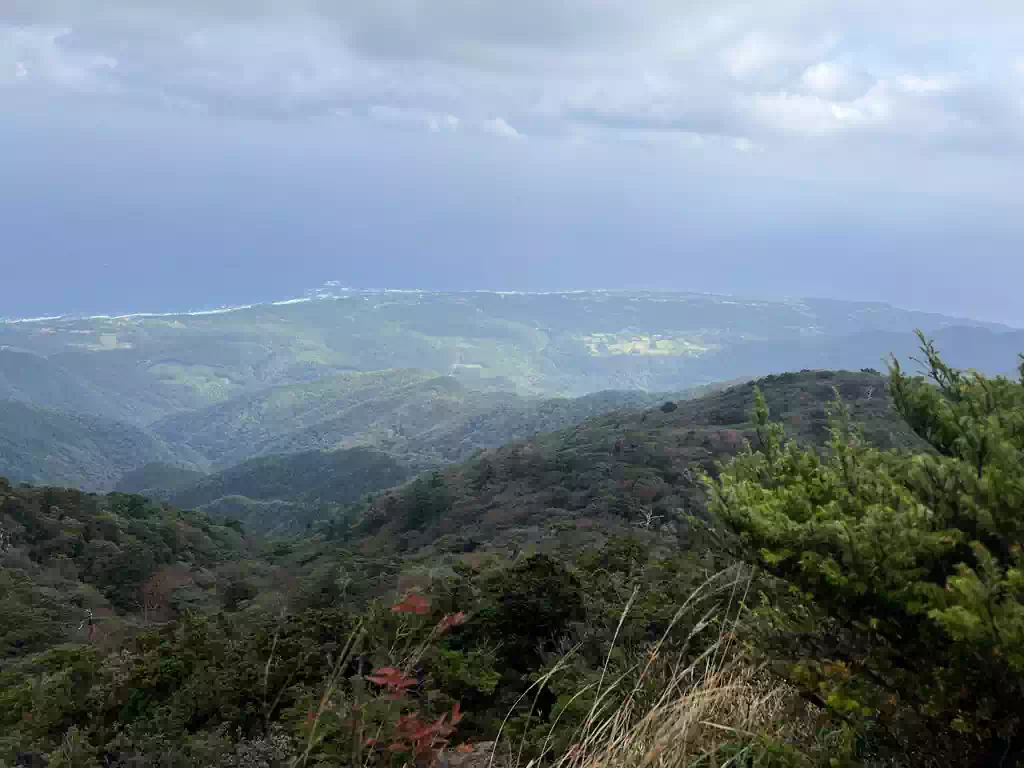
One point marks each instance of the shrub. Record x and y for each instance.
(905, 614)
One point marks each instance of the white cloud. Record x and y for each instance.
(498, 127)
(825, 77)
(924, 84)
(722, 68)
(751, 56)
(795, 113)
(431, 121)
(42, 54)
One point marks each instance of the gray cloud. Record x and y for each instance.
(747, 74)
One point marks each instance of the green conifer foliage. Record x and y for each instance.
(903, 606)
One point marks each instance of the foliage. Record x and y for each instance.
(629, 469)
(906, 615)
(311, 477)
(68, 556)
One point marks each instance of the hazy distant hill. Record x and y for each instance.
(421, 419)
(142, 368)
(281, 494)
(311, 476)
(259, 423)
(157, 476)
(27, 377)
(41, 445)
(963, 347)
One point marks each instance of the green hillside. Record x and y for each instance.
(157, 477)
(208, 646)
(66, 553)
(140, 368)
(619, 470)
(314, 480)
(540, 589)
(422, 419)
(332, 412)
(44, 446)
(411, 427)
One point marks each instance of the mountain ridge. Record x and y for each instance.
(142, 368)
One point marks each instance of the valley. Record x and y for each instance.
(426, 378)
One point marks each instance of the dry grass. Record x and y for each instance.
(693, 724)
(715, 710)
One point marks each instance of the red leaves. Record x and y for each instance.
(418, 604)
(412, 733)
(393, 678)
(421, 737)
(413, 603)
(451, 620)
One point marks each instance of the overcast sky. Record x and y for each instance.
(174, 154)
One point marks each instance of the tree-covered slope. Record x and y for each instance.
(157, 477)
(621, 469)
(331, 412)
(414, 414)
(419, 426)
(40, 445)
(314, 481)
(66, 554)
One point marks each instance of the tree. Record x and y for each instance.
(530, 605)
(905, 609)
(154, 595)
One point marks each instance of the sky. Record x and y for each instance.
(181, 154)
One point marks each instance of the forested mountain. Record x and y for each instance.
(66, 554)
(44, 446)
(492, 599)
(632, 466)
(306, 486)
(140, 368)
(426, 377)
(152, 632)
(368, 408)
(396, 428)
(421, 419)
(415, 414)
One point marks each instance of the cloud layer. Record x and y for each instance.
(748, 74)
